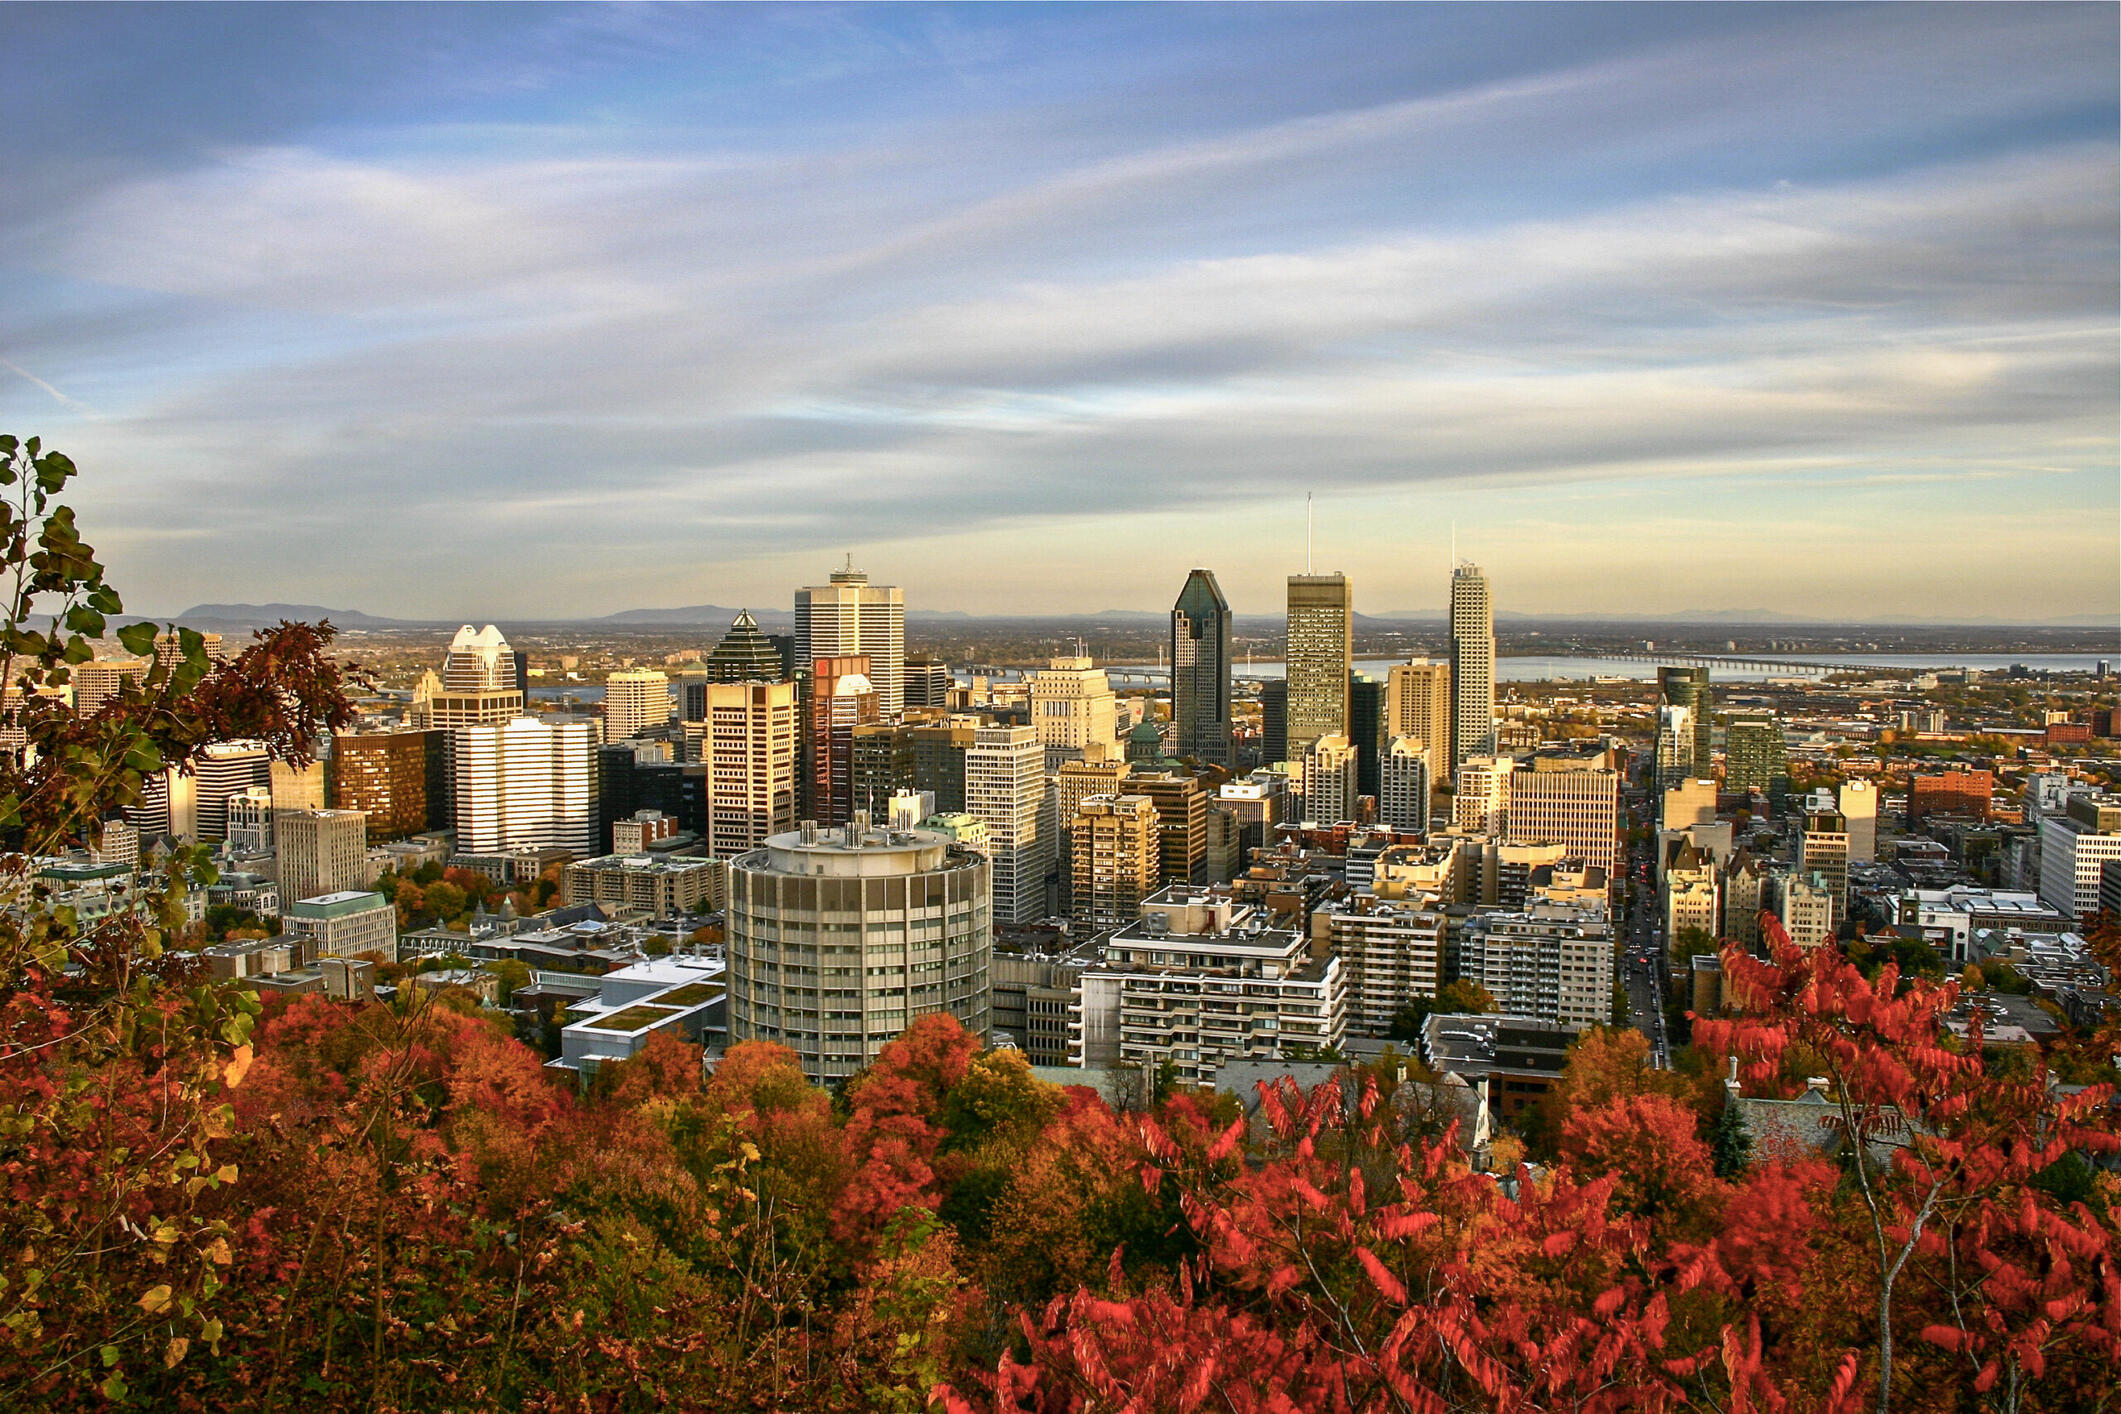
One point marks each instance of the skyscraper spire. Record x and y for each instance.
(1307, 533)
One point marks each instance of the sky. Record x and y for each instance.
(545, 312)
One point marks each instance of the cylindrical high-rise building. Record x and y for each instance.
(840, 939)
(1472, 664)
(1200, 670)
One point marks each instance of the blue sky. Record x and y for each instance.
(547, 311)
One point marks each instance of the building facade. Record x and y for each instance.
(1114, 847)
(1567, 800)
(1007, 790)
(634, 700)
(749, 749)
(1320, 655)
(1418, 708)
(320, 852)
(1073, 711)
(849, 616)
(1393, 950)
(527, 784)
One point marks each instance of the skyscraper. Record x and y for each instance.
(1472, 664)
(842, 698)
(1755, 755)
(1073, 711)
(749, 750)
(1200, 670)
(1688, 687)
(1321, 650)
(851, 616)
(478, 684)
(1366, 730)
(1403, 785)
(1114, 858)
(745, 655)
(1006, 790)
(1418, 706)
(399, 780)
(320, 852)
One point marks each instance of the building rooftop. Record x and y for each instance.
(337, 905)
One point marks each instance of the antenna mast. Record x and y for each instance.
(1307, 532)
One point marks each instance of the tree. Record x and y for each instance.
(1453, 998)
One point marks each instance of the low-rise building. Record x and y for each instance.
(349, 923)
(685, 995)
(658, 886)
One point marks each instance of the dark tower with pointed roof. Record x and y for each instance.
(1200, 671)
(745, 655)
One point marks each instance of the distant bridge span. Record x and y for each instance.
(1145, 674)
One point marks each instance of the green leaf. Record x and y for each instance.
(83, 619)
(139, 639)
(110, 1356)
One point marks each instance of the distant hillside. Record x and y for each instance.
(262, 615)
(698, 614)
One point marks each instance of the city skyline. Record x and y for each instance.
(1035, 310)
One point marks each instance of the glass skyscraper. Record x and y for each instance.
(1472, 664)
(1200, 671)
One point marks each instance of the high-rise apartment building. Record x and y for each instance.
(1006, 789)
(1550, 962)
(635, 699)
(1688, 687)
(1074, 783)
(1074, 711)
(320, 852)
(1674, 760)
(526, 784)
(1755, 754)
(221, 770)
(1472, 664)
(1418, 708)
(1181, 803)
(1823, 855)
(1320, 655)
(749, 750)
(841, 939)
(842, 697)
(1200, 671)
(1403, 786)
(1392, 949)
(1329, 790)
(2074, 847)
(1572, 801)
(851, 617)
(1968, 793)
(1113, 844)
(398, 780)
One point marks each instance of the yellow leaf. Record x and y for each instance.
(156, 1301)
(210, 1332)
(177, 1346)
(165, 1232)
(751, 1151)
(238, 1066)
(225, 1174)
(217, 1252)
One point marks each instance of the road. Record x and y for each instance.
(1642, 958)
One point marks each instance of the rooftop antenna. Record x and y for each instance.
(1307, 532)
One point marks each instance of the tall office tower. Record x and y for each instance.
(688, 696)
(1200, 670)
(928, 683)
(478, 682)
(249, 821)
(168, 805)
(635, 700)
(1675, 746)
(902, 924)
(842, 698)
(2075, 847)
(749, 751)
(939, 760)
(1328, 793)
(1367, 732)
(882, 759)
(297, 787)
(851, 616)
(320, 852)
(1823, 854)
(220, 771)
(1472, 664)
(1482, 804)
(1114, 859)
(1418, 706)
(98, 682)
(1688, 687)
(1181, 803)
(1859, 806)
(526, 784)
(1073, 711)
(1568, 800)
(1321, 651)
(399, 780)
(1273, 722)
(1403, 786)
(745, 655)
(1755, 755)
(1006, 790)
